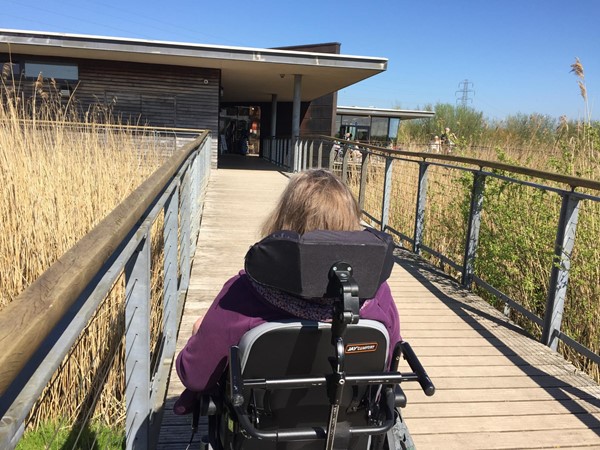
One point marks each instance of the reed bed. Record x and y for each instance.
(62, 171)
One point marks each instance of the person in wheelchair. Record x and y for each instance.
(316, 205)
(313, 200)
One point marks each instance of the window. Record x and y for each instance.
(379, 129)
(394, 125)
(58, 71)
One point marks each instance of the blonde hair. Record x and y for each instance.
(314, 200)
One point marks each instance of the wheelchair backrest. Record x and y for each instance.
(302, 349)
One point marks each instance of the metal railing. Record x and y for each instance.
(38, 329)
(357, 161)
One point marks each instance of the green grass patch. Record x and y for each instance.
(53, 436)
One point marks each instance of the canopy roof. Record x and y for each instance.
(402, 114)
(247, 74)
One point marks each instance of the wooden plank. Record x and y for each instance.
(508, 423)
(415, 409)
(534, 439)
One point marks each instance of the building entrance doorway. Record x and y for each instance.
(355, 132)
(239, 130)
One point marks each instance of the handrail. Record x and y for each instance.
(305, 152)
(573, 182)
(40, 327)
(28, 319)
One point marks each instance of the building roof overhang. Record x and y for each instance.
(247, 74)
(402, 114)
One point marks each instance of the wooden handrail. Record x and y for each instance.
(573, 182)
(30, 318)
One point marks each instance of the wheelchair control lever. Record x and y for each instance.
(346, 308)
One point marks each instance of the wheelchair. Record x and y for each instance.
(312, 385)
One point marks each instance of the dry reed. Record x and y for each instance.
(61, 175)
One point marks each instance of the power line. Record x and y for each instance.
(464, 90)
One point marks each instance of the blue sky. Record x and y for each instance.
(517, 53)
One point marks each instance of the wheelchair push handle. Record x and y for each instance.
(417, 368)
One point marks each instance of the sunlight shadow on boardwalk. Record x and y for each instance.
(497, 388)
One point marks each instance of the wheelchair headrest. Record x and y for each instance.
(300, 264)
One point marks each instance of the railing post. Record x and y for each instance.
(137, 347)
(420, 211)
(311, 152)
(474, 222)
(364, 173)
(304, 154)
(332, 156)
(281, 150)
(185, 233)
(289, 155)
(170, 233)
(295, 153)
(320, 155)
(269, 142)
(559, 276)
(297, 145)
(347, 154)
(194, 169)
(387, 193)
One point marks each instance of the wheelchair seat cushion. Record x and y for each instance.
(300, 264)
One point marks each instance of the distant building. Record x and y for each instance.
(373, 125)
(232, 91)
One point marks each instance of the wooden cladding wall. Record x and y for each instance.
(185, 97)
(142, 94)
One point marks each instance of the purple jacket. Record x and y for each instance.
(237, 309)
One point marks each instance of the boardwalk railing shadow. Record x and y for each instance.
(473, 311)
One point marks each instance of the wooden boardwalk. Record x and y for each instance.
(496, 388)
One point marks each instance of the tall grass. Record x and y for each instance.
(62, 170)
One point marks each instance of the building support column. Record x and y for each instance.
(296, 123)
